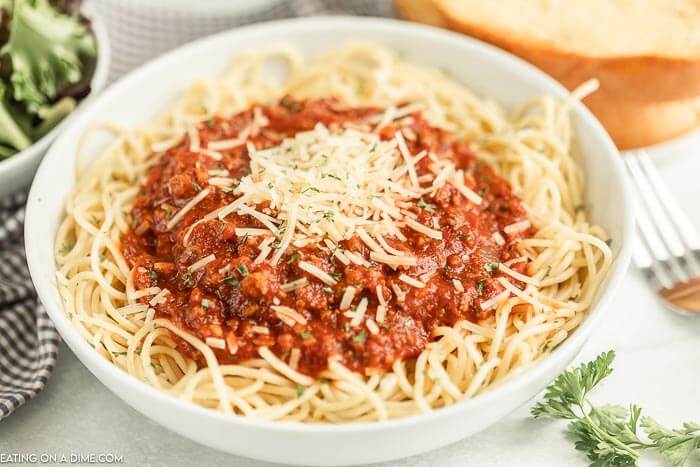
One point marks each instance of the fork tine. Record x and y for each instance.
(649, 231)
(685, 228)
(656, 212)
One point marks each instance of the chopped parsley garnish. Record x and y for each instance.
(153, 274)
(611, 435)
(242, 269)
(291, 105)
(579, 208)
(270, 185)
(187, 279)
(327, 175)
(328, 290)
(608, 242)
(311, 188)
(489, 267)
(328, 215)
(426, 206)
(300, 390)
(481, 287)
(337, 276)
(305, 335)
(210, 123)
(206, 303)
(293, 258)
(232, 282)
(102, 258)
(360, 337)
(116, 354)
(67, 248)
(196, 187)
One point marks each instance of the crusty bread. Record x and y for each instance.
(420, 11)
(634, 125)
(640, 50)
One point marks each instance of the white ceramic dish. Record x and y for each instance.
(485, 69)
(17, 171)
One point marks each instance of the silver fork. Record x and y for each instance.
(667, 247)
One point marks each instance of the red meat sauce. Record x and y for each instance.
(230, 298)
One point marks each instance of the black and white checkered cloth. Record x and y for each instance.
(28, 339)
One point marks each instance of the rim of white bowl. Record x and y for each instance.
(97, 84)
(524, 378)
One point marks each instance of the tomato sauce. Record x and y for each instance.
(231, 298)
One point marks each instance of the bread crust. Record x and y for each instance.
(420, 11)
(641, 78)
(634, 125)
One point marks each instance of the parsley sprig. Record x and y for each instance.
(611, 435)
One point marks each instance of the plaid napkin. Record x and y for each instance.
(28, 339)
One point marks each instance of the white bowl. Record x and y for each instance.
(17, 171)
(485, 69)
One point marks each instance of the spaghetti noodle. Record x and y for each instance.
(549, 261)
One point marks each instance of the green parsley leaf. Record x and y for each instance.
(579, 208)
(306, 335)
(610, 434)
(489, 267)
(291, 105)
(360, 338)
(328, 290)
(300, 390)
(206, 303)
(337, 276)
(242, 269)
(675, 446)
(481, 287)
(153, 274)
(293, 258)
(67, 248)
(426, 206)
(232, 282)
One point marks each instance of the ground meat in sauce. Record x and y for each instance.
(230, 298)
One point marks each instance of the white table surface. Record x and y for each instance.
(657, 367)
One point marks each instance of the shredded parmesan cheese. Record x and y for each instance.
(288, 315)
(187, 208)
(348, 295)
(215, 343)
(517, 227)
(201, 263)
(411, 281)
(359, 312)
(318, 273)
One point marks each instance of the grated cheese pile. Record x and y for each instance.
(323, 185)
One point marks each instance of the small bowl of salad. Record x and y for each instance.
(54, 54)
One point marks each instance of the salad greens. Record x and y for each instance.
(47, 55)
(612, 435)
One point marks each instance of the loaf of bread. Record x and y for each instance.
(645, 53)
